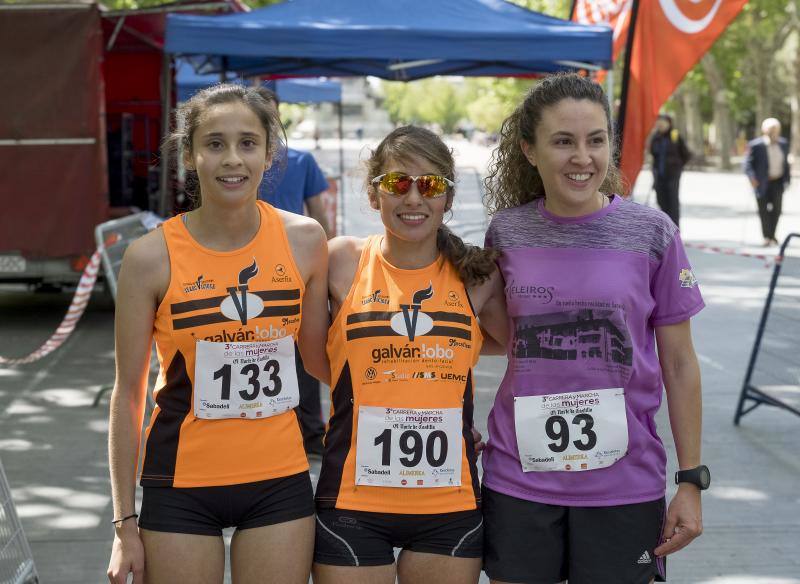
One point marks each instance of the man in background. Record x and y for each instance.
(295, 183)
(767, 166)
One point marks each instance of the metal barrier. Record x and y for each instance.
(773, 372)
(16, 559)
(122, 232)
(113, 238)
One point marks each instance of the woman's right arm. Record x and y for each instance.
(143, 279)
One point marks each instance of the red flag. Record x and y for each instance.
(615, 13)
(669, 38)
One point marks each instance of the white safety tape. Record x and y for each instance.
(768, 259)
(76, 309)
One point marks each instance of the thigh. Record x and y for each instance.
(661, 192)
(773, 188)
(426, 568)
(777, 202)
(615, 544)
(182, 557)
(328, 574)
(524, 541)
(273, 554)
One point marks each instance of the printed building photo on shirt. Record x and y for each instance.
(597, 336)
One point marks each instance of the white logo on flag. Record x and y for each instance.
(682, 22)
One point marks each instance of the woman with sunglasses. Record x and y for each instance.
(399, 462)
(600, 293)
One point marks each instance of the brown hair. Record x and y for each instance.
(189, 116)
(512, 179)
(474, 264)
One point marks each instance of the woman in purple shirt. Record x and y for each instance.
(600, 293)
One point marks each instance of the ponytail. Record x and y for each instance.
(474, 264)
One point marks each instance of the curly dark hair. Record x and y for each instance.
(473, 264)
(189, 116)
(512, 179)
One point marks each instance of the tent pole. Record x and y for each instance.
(166, 102)
(340, 228)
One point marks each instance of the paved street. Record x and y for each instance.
(53, 443)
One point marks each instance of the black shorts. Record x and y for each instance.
(359, 538)
(536, 543)
(207, 510)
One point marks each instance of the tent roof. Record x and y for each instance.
(393, 39)
(289, 90)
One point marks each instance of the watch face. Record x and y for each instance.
(705, 477)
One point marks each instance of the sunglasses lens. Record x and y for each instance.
(431, 185)
(396, 183)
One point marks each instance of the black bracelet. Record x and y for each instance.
(117, 522)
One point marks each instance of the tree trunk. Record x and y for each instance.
(763, 97)
(722, 117)
(795, 100)
(690, 102)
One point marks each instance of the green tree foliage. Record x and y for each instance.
(557, 8)
(428, 101)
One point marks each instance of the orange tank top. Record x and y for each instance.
(222, 414)
(401, 349)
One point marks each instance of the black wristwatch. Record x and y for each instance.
(699, 476)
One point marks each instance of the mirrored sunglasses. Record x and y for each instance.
(398, 184)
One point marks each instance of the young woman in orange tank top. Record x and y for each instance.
(399, 463)
(228, 291)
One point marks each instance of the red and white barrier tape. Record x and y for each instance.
(79, 302)
(767, 259)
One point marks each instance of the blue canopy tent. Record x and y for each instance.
(188, 82)
(306, 90)
(400, 40)
(392, 39)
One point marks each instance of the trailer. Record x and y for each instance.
(86, 99)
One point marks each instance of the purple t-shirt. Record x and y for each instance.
(584, 295)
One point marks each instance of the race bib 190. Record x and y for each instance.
(245, 380)
(573, 431)
(411, 448)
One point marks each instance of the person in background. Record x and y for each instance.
(670, 155)
(766, 164)
(296, 184)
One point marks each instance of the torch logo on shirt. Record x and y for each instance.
(687, 278)
(411, 321)
(240, 304)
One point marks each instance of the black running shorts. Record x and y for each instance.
(536, 543)
(207, 510)
(358, 538)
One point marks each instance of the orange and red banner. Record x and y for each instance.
(669, 38)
